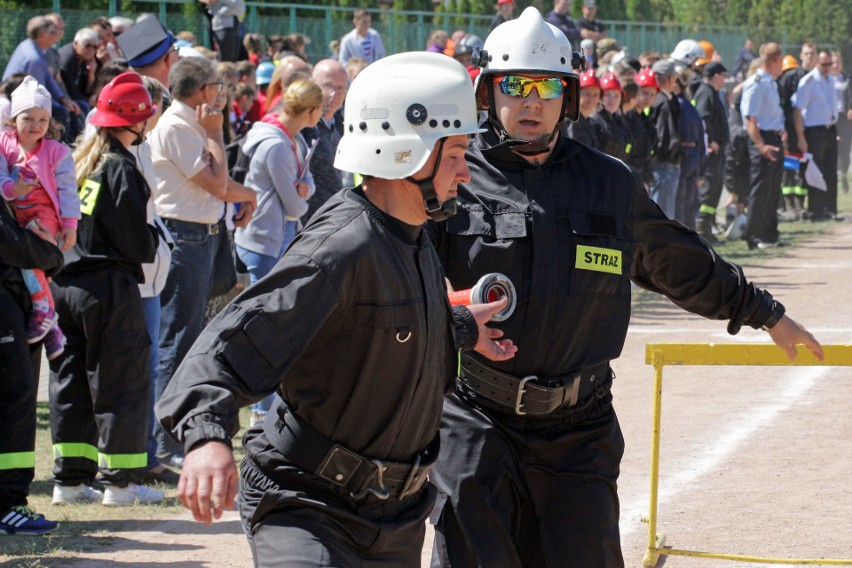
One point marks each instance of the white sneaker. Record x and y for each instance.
(67, 494)
(133, 493)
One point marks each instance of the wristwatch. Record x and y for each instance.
(776, 315)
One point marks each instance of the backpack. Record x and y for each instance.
(238, 161)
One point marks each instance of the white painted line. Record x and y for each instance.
(719, 449)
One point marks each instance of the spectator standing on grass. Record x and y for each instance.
(692, 145)
(225, 22)
(714, 113)
(642, 131)
(99, 385)
(744, 58)
(332, 79)
(192, 189)
(560, 18)
(793, 187)
(20, 249)
(668, 155)
(815, 118)
(763, 119)
(363, 41)
(843, 87)
(590, 28)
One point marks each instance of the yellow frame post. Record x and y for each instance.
(661, 354)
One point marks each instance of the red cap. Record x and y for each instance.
(589, 79)
(505, 2)
(610, 82)
(124, 101)
(646, 78)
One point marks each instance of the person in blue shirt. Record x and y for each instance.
(764, 120)
(815, 116)
(29, 58)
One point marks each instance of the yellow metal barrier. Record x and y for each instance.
(661, 354)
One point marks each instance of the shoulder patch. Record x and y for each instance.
(88, 196)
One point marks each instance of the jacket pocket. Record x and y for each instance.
(258, 352)
(397, 319)
(602, 254)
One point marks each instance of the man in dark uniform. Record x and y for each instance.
(792, 186)
(590, 28)
(531, 447)
(560, 18)
(815, 117)
(354, 330)
(714, 112)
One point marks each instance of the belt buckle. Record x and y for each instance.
(521, 390)
(382, 492)
(213, 229)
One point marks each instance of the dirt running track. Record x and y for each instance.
(754, 461)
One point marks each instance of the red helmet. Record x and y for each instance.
(589, 79)
(610, 82)
(124, 101)
(646, 78)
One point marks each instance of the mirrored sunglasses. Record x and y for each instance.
(519, 86)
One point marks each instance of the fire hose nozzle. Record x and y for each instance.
(489, 288)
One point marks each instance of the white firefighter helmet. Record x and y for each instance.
(528, 44)
(398, 108)
(686, 52)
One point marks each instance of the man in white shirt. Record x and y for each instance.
(363, 41)
(192, 187)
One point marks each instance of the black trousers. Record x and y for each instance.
(99, 386)
(764, 191)
(18, 390)
(844, 143)
(295, 519)
(822, 143)
(534, 494)
(710, 190)
(738, 166)
(228, 43)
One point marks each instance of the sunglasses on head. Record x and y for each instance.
(520, 86)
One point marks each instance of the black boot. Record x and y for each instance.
(704, 227)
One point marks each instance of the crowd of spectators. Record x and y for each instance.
(237, 152)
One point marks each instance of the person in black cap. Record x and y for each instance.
(149, 50)
(713, 111)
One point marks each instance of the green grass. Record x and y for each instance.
(83, 528)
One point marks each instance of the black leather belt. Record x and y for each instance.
(821, 126)
(531, 394)
(312, 451)
(211, 229)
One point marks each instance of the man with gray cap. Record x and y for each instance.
(668, 155)
(149, 50)
(590, 28)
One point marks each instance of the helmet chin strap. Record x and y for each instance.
(535, 147)
(140, 137)
(436, 210)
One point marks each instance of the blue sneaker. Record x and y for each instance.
(23, 520)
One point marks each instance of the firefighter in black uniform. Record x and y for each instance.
(643, 132)
(611, 134)
(531, 447)
(582, 130)
(99, 385)
(354, 330)
(19, 248)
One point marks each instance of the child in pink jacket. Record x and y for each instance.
(37, 180)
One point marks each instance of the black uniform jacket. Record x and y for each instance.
(611, 134)
(113, 229)
(665, 114)
(642, 140)
(20, 248)
(571, 235)
(709, 105)
(582, 131)
(352, 328)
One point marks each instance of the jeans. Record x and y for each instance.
(664, 187)
(151, 308)
(259, 265)
(183, 301)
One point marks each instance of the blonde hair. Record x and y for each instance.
(302, 95)
(91, 152)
